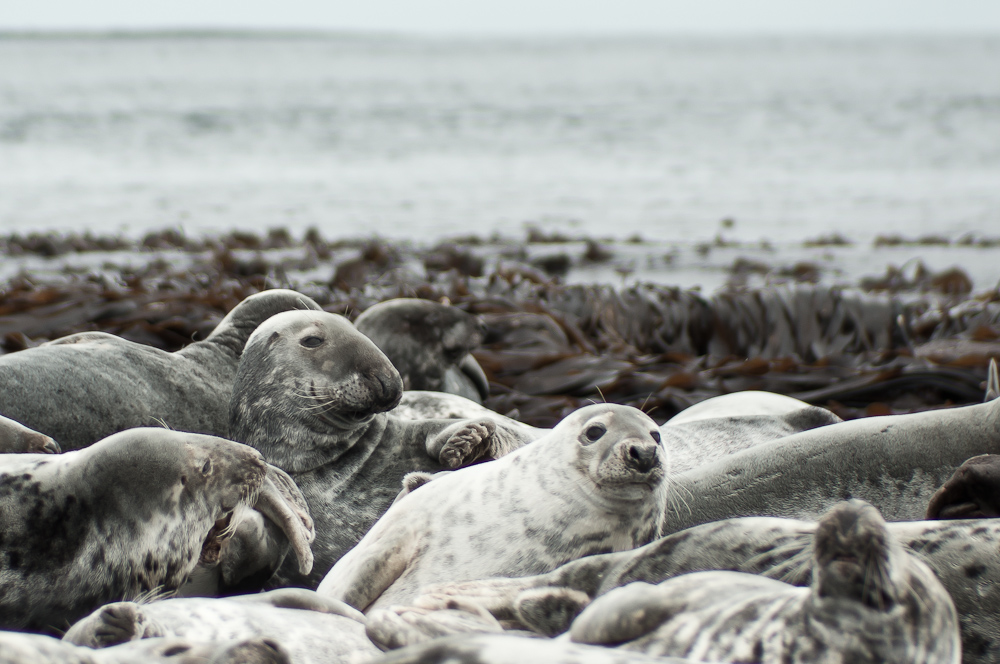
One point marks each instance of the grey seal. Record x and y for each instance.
(16, 438)
(311, 394)
(594, 484)
(87, 386)
(308, 627)
(22, 648)
(131, 514)
(972, 492)
(869, 603)
(430, 344)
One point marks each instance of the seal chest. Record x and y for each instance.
(594, 484)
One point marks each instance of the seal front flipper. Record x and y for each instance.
(305, 600)
(992, 381)
(462, 443)
(367, 570)
(112, 624)
(281, 501)
(401, 626)
(623, 614)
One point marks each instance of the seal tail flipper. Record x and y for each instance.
(992, 381)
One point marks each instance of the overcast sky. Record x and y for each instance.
(514, 16)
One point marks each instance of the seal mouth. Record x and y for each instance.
(217, 536)
(328, 413)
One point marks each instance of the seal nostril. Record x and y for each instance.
(642, 457)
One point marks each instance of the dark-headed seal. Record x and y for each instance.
(869, 603)
(973, 492)
(595, 483)
(430, 344)
(84, 387)
(15, 438)
(309, 627)
(311, 394)
(129, 515)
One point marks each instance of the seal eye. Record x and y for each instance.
(311, 342)
(594, 432)
(655, 435)
(207, 468)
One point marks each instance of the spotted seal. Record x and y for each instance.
(87, 386)
(17, 438)
(311, 394)
(309, 627)
(595, 483)
(131, 514)
(869, 602)
(430, 344)
(21, 648)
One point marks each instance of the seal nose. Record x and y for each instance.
(641, 456)
(388, 390)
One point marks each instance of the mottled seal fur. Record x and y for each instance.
(894, 462)
(726, 424)
(87, 386)
(510, 649)
(130, 514)
(869, 602)
(311, 394)
(430, 344)
(15, 438)
(594, 484)
(309, 627)
(21, 648)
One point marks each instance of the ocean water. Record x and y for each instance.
(422, 138)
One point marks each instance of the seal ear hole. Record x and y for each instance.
(594, 432)
(206, 469)
(184, 480)
(312, 341)
(655, 435)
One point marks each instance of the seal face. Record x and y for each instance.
(430, 344)
(594, 484)
(868, 602)
(131, 514)
(311, 394)
(87, 386)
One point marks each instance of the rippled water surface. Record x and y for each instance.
(421, 138)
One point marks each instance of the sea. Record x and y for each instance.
(669, 139)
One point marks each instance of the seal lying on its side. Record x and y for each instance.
(726, 424)
(21, 648)
(131, 514)
(594, 484)
(430, 344)
(510, 649)
(869, 602)
(15, 438)
(87, 386)
(311, 394)
(309, 627)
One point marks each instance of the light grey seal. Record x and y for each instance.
(22, 648)
(869, 603)
(511, 649)
(308, 627)
(311, 394)
(430, 344)
(730, 423)
(129, 515)
(594, 484)
(15, 438)
(87, 386)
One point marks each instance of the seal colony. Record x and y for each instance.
(157, 511)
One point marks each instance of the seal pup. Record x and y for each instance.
(87, 386)
(129, 515)
(511, 649)
(312, 394)
(309, 627)
(722, 425)
(869, 602)
(430, 344)
(15, 438)
(23, 648)
(594, 484)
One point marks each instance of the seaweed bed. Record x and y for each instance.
(893, 345)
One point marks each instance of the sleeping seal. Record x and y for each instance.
(869, 602)
(131, 514)
(430, 344)
(309, 627)
(15, 438)
(87, 386)
(311, 394)
(595, 483)
(21, 648)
